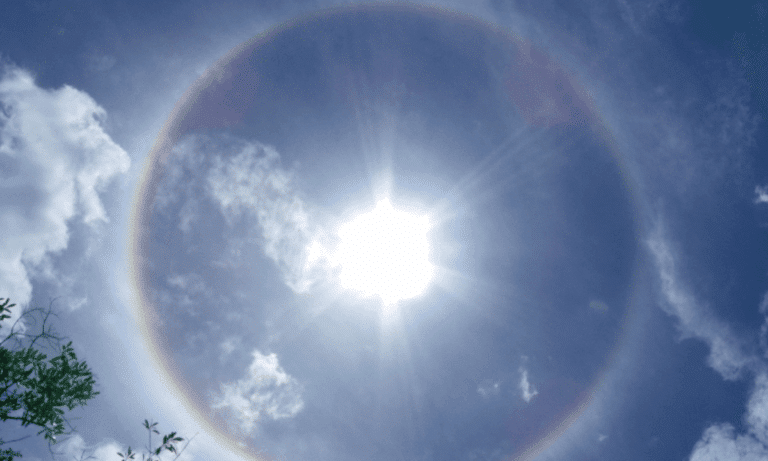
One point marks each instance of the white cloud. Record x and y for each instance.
(55, 159)
(764, 328)
(75, 448)
(191, 283)
(757, 410)
(228, 346)
(720, 441)
(726, 355)
(181, 183)
(266, 392)
(187, 291)
(761, 194)
(253, 181)
(188, 214)
(527, 390)
(179, 174)
(489, 388)
(77, 303)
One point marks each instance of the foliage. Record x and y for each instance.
(7, 454)
(169, 444)
(35, 389)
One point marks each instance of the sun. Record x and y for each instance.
(385, 253)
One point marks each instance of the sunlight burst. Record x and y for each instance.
(385, 253)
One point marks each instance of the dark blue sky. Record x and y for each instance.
(594, 174)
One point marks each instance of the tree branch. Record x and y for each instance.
(2, 442)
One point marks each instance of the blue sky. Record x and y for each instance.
(593, 174)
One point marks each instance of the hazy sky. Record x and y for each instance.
(590, 179)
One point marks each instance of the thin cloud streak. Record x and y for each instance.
(727, 355)
(527, 390)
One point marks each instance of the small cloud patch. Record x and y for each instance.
(527, 390)
(228, 346)
(761, 194)
(266, 391)
(598, 306)
(489, 388)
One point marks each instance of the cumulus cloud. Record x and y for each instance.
(254, 182)
(55, 159)
(761, 194)
(727, 354)
(266, 391)
(720, 441)
(527, 390)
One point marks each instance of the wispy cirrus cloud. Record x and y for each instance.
(253, 182)
(181, 182)
(55, 160)
(727, 354)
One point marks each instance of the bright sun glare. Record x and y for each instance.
(385, 253)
